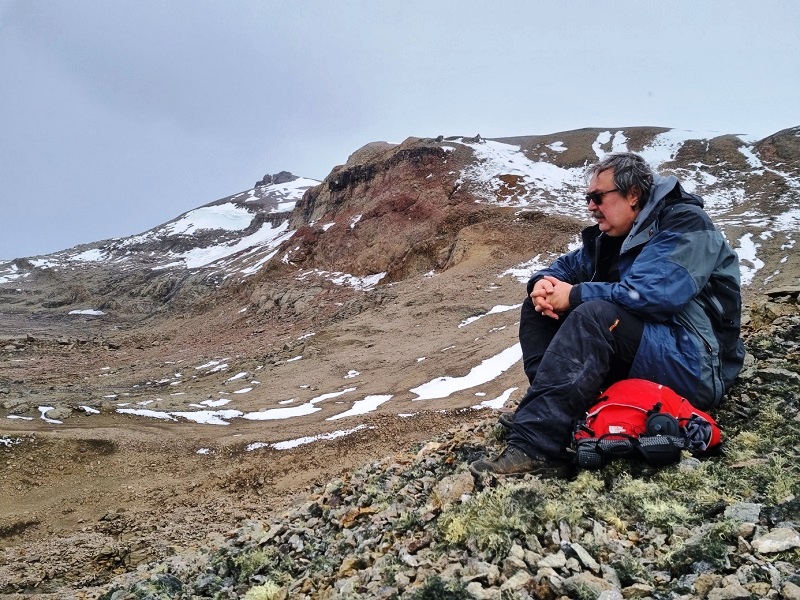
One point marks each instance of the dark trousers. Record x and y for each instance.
(567, 362)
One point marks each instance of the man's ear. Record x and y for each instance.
(634, 196)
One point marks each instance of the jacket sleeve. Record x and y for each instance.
(672, 268)
(569, 267)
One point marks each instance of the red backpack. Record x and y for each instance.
(639, 418)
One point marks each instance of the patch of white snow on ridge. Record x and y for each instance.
(557, 147)
(287, 193)
(365, 283)
(43, 410)
(143, 412)
(93, 255)
(201, 257)
(44, 263)
(215, 403)
(749, 263)
(665, 146)
(500, 308)
(228, 216)
(501, 159)
(788, 221)
(211, 363)
(87, 311)
(619, 143)
(602, 139)
(523, 271)
(205, 417)
(209, 417)
(498, 402)
(288, 444)
(360, 407)
(274, 243)
(551, 188)
(752, 159)
(11, 273)
(294, 411)
(489, 369)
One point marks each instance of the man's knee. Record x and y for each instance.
(597, 310)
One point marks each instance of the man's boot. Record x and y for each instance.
(513, 461)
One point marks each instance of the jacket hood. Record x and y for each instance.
(670, 190)
(666, 191)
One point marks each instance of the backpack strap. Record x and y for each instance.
(660, 450)
(592, 453)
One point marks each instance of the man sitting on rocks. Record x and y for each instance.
(653, 293)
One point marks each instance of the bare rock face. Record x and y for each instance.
(394, 209)
(277, 178)
(782, 146)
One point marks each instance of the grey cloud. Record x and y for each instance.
(131, 112)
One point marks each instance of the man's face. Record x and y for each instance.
(615, 213)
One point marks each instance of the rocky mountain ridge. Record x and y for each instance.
(425, 191)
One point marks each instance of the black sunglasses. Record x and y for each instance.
(597, 197)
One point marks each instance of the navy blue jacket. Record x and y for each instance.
(679, 275)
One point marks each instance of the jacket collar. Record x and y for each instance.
(665, 190)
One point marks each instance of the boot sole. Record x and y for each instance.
(562, 471)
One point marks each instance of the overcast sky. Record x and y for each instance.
(119, 115)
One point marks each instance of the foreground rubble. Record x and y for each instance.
(417, 525)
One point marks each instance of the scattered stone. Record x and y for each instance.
(747, 512)
(637, 590)
(59, 413)
(481, 593)
(585, 558)
(450, 489)
(512, 565)
(790, 591)
(518, 581)
(586, 583)
(776, 374)
(733, 591)
(553, 561)
(777, 540)
(791, 291)
(18, 405)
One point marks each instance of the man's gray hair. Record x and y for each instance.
(631, 172)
